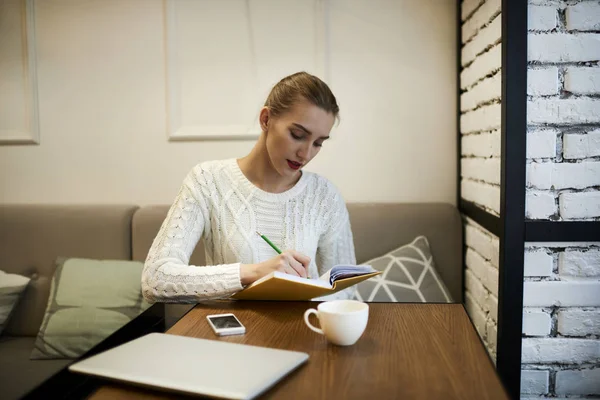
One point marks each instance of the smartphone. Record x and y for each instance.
(226, 324)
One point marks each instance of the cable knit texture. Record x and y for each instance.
(217, 203)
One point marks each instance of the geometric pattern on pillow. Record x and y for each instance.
(12, 287)
(409, 275)
(89, 300)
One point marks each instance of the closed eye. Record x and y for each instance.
(297, 137)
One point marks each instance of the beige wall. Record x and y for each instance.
(103, 119)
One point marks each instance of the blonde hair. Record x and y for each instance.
(301, 85)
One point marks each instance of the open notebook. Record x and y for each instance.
(282, 286)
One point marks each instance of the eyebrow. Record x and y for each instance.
(307, 131)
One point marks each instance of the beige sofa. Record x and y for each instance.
(33, 236)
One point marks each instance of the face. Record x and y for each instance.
(296, 137)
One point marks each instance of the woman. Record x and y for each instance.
(227, 201)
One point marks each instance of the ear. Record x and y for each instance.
(264, 118)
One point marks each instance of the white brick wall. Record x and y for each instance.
(541, 18)
(541, 143)
(485, 38)
(481, 282)
(584, 80)
(534, 382)
(577, 146)
(485, 118)
(579, 322)
(542, 81)
(540, 205)
(579, 205)
(483, 194)
(483, 270)
(563, 175)
(468, 7)
(561, 321)
(582, 382)
(481, 86)
(563, 47)
(561, 293)
(483, 92)
(481, 145)
(536, 323)
(580, 263)
(484, 65)
(561, 351)
(481, 169)
(480, 18)
(564, 111)
(538, 262)
(584, 16)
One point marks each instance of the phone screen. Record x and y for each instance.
(228, 321)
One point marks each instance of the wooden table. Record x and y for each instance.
(408, 351)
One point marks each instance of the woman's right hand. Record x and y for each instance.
(290, 262)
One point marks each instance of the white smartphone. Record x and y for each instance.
(226, 324)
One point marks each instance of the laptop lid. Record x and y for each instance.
(191, 365)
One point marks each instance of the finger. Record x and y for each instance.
(299, 268)
(304, 260)
(293, 264)
(290, 270)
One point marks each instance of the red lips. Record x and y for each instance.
(294, 165)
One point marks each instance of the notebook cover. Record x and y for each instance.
(276, 288)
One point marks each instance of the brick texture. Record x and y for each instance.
(543, 81)
(580, 146)
(534, 382)
(541, 143)
(480, 18)
(560, 351)
(581, 382)
(579, 322)
(481, 282)
(480, 105)
(542, 18)
(583, 205)
(584, 16)
(563, 47)
(536, 323)
(584, 80)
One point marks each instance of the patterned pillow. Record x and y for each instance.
(89, 300)
(12, 286)
(409, 276)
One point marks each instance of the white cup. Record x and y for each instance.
(342, 321)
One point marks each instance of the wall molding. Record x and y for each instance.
(32, 134)
(176, 128)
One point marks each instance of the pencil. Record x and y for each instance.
(266, 239)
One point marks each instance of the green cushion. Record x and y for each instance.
(12, 287)
(409, 276)
(89, 300)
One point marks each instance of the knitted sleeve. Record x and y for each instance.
(336, 245)
(166, 276)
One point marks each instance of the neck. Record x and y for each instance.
(259, 170)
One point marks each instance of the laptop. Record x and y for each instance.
(193, 366)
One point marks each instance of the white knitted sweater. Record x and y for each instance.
(219, 204)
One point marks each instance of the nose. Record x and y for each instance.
(303, 152)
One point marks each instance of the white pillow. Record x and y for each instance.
(11, 288)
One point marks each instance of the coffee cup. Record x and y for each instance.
(342, 321)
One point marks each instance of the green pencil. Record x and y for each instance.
(266, 239)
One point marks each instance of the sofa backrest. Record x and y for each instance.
(377, 228)
(32, 237)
